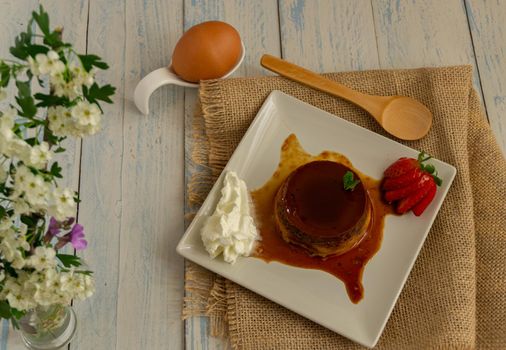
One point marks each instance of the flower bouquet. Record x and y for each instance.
(37, 216)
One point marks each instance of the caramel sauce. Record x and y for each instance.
(349, 266)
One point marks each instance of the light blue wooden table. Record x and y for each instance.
(132, 176)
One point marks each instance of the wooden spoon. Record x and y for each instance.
(403, 117)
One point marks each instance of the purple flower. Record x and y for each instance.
(77, 237)
(54, 227)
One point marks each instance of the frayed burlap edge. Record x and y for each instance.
(205, 292)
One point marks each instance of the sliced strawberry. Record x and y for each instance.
(395, 183)
(413, 199)
(420, 207)
(404, 192)
(401, 167)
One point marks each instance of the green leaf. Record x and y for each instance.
(42, 19)
(5, 310)
(56, 170)
(90, 61)
(3, 212)
(59, 150)
(32, 141)
(69, 260)
(17, 313)
(23, 88)
(28, 108)
(25, 99)
(50, 100)
(21, 42)
(95, 93)
(29, 220)
(5, 74)
(349, 182)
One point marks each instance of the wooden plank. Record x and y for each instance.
(414, 34)
(132, 186)
(486, 19)
(73, 17)
(257, 23)
(328, 35)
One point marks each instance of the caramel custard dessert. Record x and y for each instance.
(314, 211)
(307, 219)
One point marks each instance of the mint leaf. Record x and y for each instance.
(349, 182)
(96, 93)
(90, 61)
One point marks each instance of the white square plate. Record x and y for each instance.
(322, 297)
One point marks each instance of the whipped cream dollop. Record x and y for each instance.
(230, 229)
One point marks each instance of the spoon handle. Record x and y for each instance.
(372, 104)
(151, 82)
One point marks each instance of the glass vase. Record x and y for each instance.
(50, 327)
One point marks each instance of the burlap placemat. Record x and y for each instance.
(455, 297)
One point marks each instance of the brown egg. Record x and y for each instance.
(208, 50)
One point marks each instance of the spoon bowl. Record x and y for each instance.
(163, 76)
(401, 116)
(406, 118)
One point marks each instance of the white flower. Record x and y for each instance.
(39, 155)
(81, 77)
(60, 121)
(3, 94)
(21, 149)
(80, 285)
(6, 133)
(86, 114)
(43, 258)
(50, 63)
(36, 192)
(11, 247)
(21, 178)
(34, 66)
(62, 204)
(5, 224)
(61, 87)
(20, 207)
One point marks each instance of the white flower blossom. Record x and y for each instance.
(21, 149)
(11, 248)
(20, 207)
(62, 204)
(39, 155)
(6, 133)
(50, 63)
(43, 258)
(34, 66)
(5, 224)
(85, 113)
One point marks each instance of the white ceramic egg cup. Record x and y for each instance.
(163, 76)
